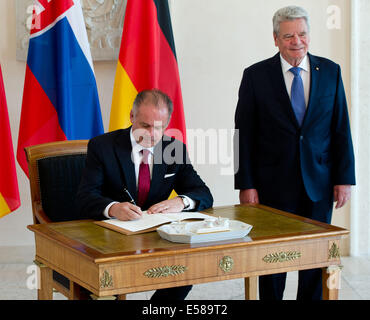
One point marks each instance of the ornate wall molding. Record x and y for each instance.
(104, 24)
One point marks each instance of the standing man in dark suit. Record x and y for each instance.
(295, 149)
(136, 169)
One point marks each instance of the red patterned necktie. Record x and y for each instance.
(144, 179)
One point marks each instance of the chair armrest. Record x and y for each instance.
(40, 214)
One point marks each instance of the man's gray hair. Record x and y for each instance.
(288, 14)
(155, 97)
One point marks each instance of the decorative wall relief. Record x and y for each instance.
(104, 24)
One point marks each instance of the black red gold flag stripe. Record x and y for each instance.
(147, 60)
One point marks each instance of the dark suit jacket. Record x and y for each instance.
(109, 169)
(273, 151)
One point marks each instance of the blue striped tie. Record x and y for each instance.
(297, 95)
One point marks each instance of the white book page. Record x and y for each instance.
(151, 220)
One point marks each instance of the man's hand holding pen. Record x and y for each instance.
(130, 211)
(125, 211)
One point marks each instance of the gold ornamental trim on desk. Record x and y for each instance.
(106, 281)
(334, 251)
(282, 256)
(226, 264)
(39, 264)
(166, 271)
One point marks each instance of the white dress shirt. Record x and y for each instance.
(305, 75)
(137, 157)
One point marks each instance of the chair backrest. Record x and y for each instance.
(55, 170)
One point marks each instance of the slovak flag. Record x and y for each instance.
(60, 97)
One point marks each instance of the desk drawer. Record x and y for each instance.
(214, 265)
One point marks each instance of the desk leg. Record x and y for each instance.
(76, 292)
(45, 291)
(331, 282)
(250, 287)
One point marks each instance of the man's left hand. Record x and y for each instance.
(342, 193)
(172, 205)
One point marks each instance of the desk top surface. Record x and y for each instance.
(100, 244)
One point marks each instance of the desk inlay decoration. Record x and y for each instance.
(106, 280)
(165, 271)
(282, 256)
(334, 251)
(226, 264)
(39, 264)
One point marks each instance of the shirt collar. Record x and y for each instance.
(303, 65)
(138, 147)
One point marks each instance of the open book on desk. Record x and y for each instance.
(149, 222)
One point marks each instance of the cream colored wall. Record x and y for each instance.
(360, 70)
(215, 41)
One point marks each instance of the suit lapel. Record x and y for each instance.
(315, 75)
(123, 152)
(278, 83)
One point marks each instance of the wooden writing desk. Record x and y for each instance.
(109, 263)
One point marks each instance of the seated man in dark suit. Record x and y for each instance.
(137, 168)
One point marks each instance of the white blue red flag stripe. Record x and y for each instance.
(60, 97)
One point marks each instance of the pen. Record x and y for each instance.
(129, 195)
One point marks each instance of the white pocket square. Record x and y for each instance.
(169, 175)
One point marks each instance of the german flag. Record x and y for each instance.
(147, 60)
(9, 192)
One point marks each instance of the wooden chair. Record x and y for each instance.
(55, 172)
